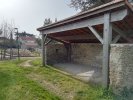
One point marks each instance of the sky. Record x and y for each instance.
(28, 15)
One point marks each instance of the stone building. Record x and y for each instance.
(28, 42)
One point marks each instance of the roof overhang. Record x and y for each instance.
(118, 9)
(114, 5)
(97, 20)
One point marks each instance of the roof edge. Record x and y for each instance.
(83, 13)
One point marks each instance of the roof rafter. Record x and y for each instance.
(121, 33)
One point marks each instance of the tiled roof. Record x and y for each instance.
(28, 38)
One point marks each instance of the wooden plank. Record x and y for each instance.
(115, 16)
(96, 34)
(116, 39)
(106, 49)
(121, 33)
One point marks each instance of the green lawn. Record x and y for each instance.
(15, 86)
(44, 83)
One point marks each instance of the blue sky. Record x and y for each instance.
(30, 14)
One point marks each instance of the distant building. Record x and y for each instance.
(28, 42)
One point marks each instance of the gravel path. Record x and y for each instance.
(26, 63)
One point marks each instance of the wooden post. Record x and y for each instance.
(106, 49)
(44, 51)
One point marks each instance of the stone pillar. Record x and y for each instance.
(121, 67)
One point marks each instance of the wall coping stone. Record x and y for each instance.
(121, 45)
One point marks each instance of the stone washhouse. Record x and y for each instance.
(100, 38)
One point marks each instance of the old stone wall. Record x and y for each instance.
(56, 53)
(121, 67)
(82, 53)
(87, 54)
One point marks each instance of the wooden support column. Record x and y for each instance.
(44, 50)
(107, 39)
(43, 63)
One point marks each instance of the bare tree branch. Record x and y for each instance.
(84, 5)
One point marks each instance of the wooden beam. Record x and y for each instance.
(62, 41)
(106, 49)
(48, 42)
(95, 11)
(96, 34)
(115, 16)
(45, 38)
(129, 5)
(76, 37)
(116, 39)
(121, 33)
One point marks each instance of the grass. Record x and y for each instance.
(44, 83)
(15, 86)
(68, 85)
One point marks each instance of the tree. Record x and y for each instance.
(0, 31)
(56, 20)
(84, 5)
(47, 21)
(6, 31)
(24, 34)
(38, 40)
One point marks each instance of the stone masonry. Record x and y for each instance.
(86, 54)
(56, 53)
(121, 60)
(121, 67)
